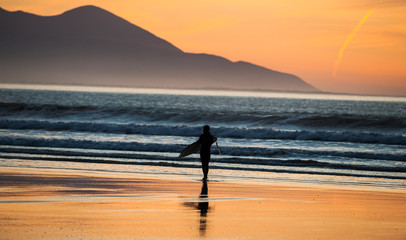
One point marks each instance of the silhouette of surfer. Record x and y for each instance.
(206, 140)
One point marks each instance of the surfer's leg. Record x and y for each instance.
(205, 159)
(206, 166)
(205, 169)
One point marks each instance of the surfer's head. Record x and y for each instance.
(206, 129)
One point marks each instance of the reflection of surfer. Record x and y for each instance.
(203, 206)
(206, 140)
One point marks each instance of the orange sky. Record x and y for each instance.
(302, 37)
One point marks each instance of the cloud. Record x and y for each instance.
(348, 40)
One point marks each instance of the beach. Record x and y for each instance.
(87, 164)
(52, 204)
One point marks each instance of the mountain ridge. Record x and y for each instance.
(89, 45)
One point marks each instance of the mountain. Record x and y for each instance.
(91, 46)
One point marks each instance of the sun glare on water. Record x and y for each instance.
(203, 92)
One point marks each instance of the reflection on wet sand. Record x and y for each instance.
(45, 204)
(203, 206)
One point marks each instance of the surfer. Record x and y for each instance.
(206, 140)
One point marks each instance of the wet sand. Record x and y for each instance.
(39, 204)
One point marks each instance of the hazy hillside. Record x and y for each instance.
(91, 46)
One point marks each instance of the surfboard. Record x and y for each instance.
(193, 148)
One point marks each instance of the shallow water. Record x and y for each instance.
(269, 137)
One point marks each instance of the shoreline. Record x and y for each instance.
(197, 91)
(51, 204)
(214, 177)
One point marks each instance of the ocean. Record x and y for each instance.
(320, 139)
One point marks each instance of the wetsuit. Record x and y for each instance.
(206, 140)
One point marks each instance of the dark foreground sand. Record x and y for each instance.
(37, 204)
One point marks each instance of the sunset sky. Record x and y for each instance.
(337, 45)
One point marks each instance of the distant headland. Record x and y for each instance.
(91, 46)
